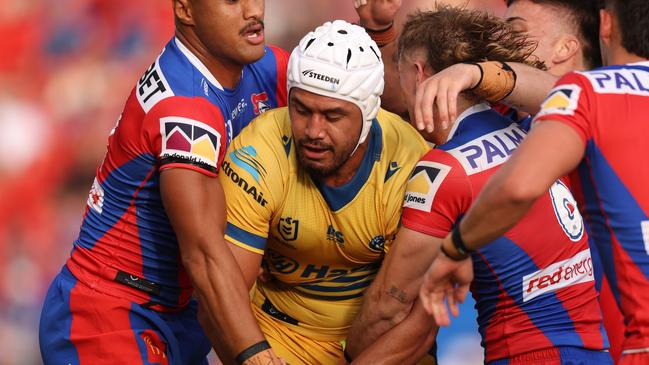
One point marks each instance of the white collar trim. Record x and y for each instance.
(197, 63)
(480, 107)
(639, 63)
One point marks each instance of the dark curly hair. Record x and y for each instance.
(451, 35)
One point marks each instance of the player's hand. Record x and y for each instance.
(377, 14)
(441, 91)
(445, 281)
(266, 357)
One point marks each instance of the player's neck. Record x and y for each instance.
(621, 56)
(227, 73)
(347, 171)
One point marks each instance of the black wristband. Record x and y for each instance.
(454, 258)
(458, 242)
(481, 74)
(252, 351)
(506, 67)
(369, 30)
(346, 356)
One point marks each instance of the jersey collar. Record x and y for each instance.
(197, 63)
(339, 197)
(480, 107)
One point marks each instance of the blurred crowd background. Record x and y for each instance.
(66, 68)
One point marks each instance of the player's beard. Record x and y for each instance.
(316, 168)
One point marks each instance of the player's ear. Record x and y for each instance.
(566, 48)
(422, 72)
(605, 26)
(183, 12)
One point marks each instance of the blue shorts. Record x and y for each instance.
(82, 326)
(559, 356)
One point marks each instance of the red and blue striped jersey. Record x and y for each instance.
(607, 107)
(533, 286)
(177, 116)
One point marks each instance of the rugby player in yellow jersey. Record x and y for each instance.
(315, 191)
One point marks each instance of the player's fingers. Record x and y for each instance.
(419, 117)
(452, 304)
(440, 313)
(442, 104)
(424, 296)
(461, 292)
(452, 104)
(429, 93)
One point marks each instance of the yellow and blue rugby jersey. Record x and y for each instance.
(322, 245)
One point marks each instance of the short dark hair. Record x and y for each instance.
(585, 16)
(451, 35)
(632, 16)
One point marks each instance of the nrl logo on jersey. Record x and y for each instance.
(288, 228)
(424, 182)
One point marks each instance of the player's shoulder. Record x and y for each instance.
(173, 73)
(274, 59)
(441, 160)
(615, 79)
(269, 133)
(268, 125)
(188, 108)
(399, 137)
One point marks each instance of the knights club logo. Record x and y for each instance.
(565, 208)
(260, 102)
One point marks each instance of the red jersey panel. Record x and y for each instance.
(534, 286)
(607, 107)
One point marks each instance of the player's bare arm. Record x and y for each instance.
(390, 298)
(406, 343)
(551, 150)
(442, 89)
(377, 17)
(196, 208)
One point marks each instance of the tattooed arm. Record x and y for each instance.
(390, 298)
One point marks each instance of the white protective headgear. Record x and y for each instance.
(341, 61)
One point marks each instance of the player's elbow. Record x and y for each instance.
(515, 193)
(196, 257)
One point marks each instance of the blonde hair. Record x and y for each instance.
(450, 35)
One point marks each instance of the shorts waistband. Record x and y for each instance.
(119, 283)
(557, 354)
(266, 307)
